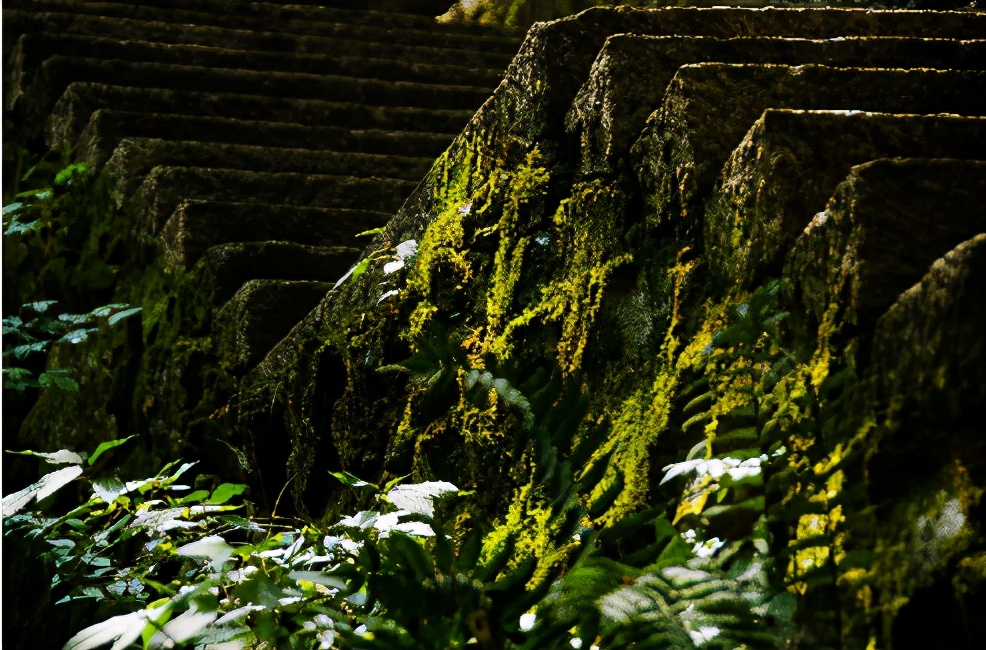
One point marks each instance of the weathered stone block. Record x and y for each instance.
(881, 230)
(260, 314)
(929, 348)
(710, 106)
(788, 166)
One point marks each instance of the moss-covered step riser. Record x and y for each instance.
(121, 18)
(196, 226)
(60, 71)
(73, 112)
(165, 187)
(610, 110)
(788, 166)
(134, 158)
(259, 315)
(33, 49)
(108, 128)
(709, 107)
(861, 252)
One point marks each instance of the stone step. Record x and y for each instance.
(124, 17)
(32, 49)
(359, 13)
(943, 319)
(790, 163)
(260, 314)
(57, 72)
(196, 226)
(107, 128)
(165, 188)
(73, 112)
(628, 79)
(709, 107)
(862, 252)
(227, 267)
(133, 158)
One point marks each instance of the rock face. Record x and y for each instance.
(611, 224)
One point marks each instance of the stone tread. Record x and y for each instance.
(196, 226)
(631, 73)
(57, 72)
(865, 239)
(133, 158)
(226, 267)
(73, 112)
(790, 163)
(32, 49)
(123, 17)
(337, 13)
(106, 128)
(685, 144)
(165, 188)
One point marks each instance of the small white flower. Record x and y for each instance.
(527, 621)
(391, 267)
(388, 294)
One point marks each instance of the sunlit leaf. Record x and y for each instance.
(48, 485)
(77, 336)
(319, 578)
(123, 630)
(419, 497)
(212, 547)
(57, 458)
(120, 315)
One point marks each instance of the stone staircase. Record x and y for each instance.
(248, 141)
(842, 150)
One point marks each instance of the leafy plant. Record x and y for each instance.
(34, 331)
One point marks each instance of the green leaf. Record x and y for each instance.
(106, 446)
(22, 351)
(21, 227)
(319, 578)
(61, 457)
(58, 379)
(12, 207)
(195, 497)
(372, 232)
(108, 489)
(48, 485)
(225, 492)
(40, 306)
(351, 480)
(68, 172)
(120, 315)
(77, 336)
(360, 268)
